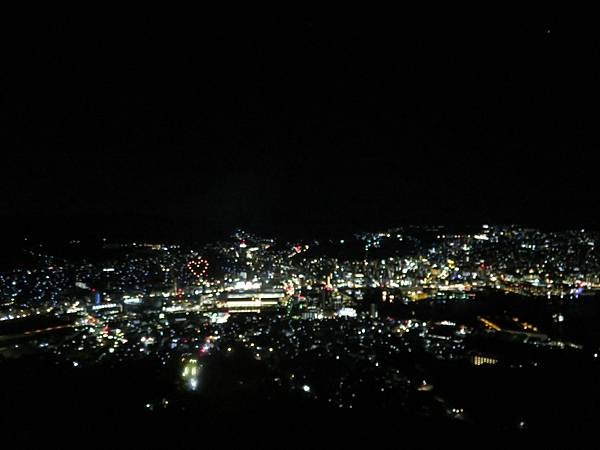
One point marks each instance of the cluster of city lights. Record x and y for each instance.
(198, 267)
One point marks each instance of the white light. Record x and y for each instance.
(306, 388)
(346, 312)
(75, 363)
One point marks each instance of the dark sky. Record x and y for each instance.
(298, 120)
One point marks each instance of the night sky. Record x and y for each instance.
(185, 122)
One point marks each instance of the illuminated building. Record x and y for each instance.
(478, 360)
(250, 301)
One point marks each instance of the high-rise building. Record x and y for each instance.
(373, 311)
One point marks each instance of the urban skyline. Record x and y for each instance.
(389, 322)
(316, 229)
